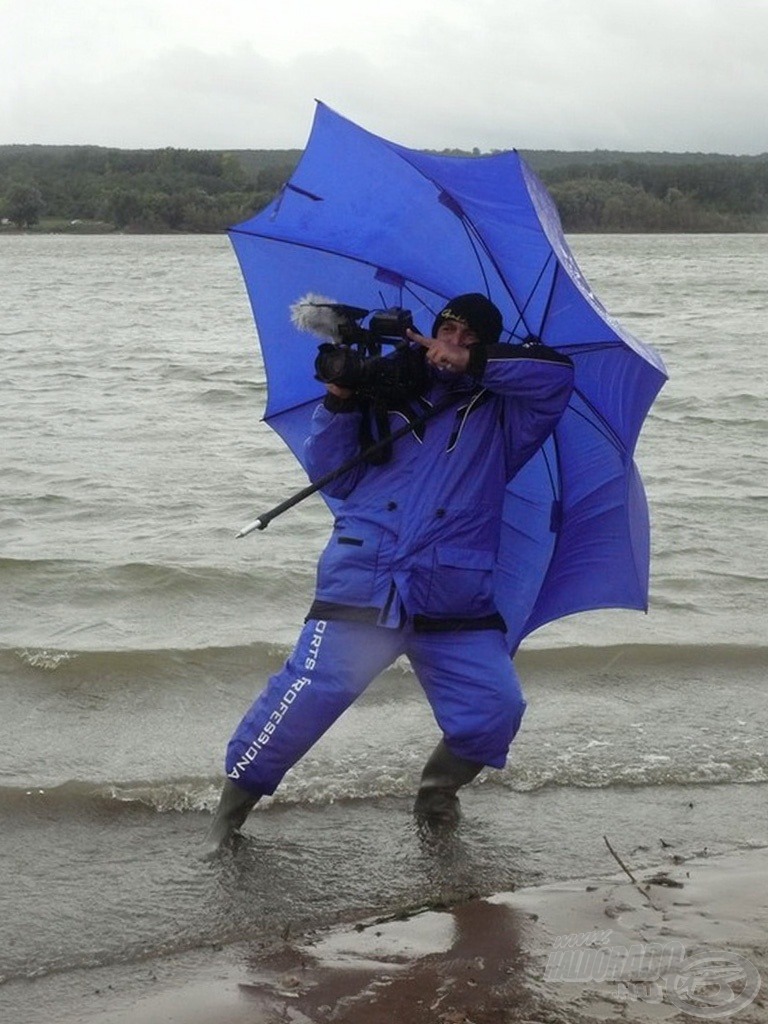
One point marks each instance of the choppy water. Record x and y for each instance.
(134, 629)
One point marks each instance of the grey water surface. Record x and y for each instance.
(134, 628)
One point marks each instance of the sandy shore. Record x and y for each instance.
(685, 942)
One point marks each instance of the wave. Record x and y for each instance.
(200, 794)
(151, 573)
(161, 662)
(669, 654)
(136, 578)
(224, 396)
(184, 794)
(137, 665)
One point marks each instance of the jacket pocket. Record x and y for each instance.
(346, 571)
(462, 582)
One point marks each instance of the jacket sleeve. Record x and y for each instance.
(334, 438)
(536, 380)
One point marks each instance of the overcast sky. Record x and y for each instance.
(679, 75)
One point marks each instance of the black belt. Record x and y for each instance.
(331, 611)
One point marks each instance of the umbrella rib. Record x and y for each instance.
(455, 207)
(588, 348)
(599, 422)
(469, 227)
(532, 292)
(409, 288)
(558, 498)
(550, 297)
(335, 252)
(467, 223)
(292, 408)
(555, 491)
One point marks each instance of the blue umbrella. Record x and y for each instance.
(375, 225)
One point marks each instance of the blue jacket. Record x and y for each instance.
(418, 535)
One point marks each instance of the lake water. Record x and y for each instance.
(134, 629)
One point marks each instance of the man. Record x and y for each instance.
(409, 566)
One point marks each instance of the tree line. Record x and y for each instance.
(97, 188)
(150, 190)
(714, 194)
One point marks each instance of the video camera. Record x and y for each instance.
(354, 356)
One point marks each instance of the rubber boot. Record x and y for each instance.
(443, 774)
(235, 804)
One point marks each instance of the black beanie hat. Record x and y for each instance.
(476, 312)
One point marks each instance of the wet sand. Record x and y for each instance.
(683, 942)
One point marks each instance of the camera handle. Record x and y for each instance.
(266, 518)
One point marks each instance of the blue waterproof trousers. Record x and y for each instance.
(468, 678)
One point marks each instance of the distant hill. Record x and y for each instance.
(553, 159)
(255, 160)
(102, 188)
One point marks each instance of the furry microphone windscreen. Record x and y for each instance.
(318, 315)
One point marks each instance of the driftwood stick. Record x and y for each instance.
(627, 872)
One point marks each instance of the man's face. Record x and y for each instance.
(456, 333)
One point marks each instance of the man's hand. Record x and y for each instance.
(442, 354)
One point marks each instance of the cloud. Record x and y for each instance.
(564, 74)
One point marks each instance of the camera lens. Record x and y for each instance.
(336, 364)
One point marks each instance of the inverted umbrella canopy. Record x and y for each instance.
(374, 224)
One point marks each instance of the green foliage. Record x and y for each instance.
(706, 194)
(590, 204)
(196, 190)
(149, 190)
(270, 179)
(23, 205)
